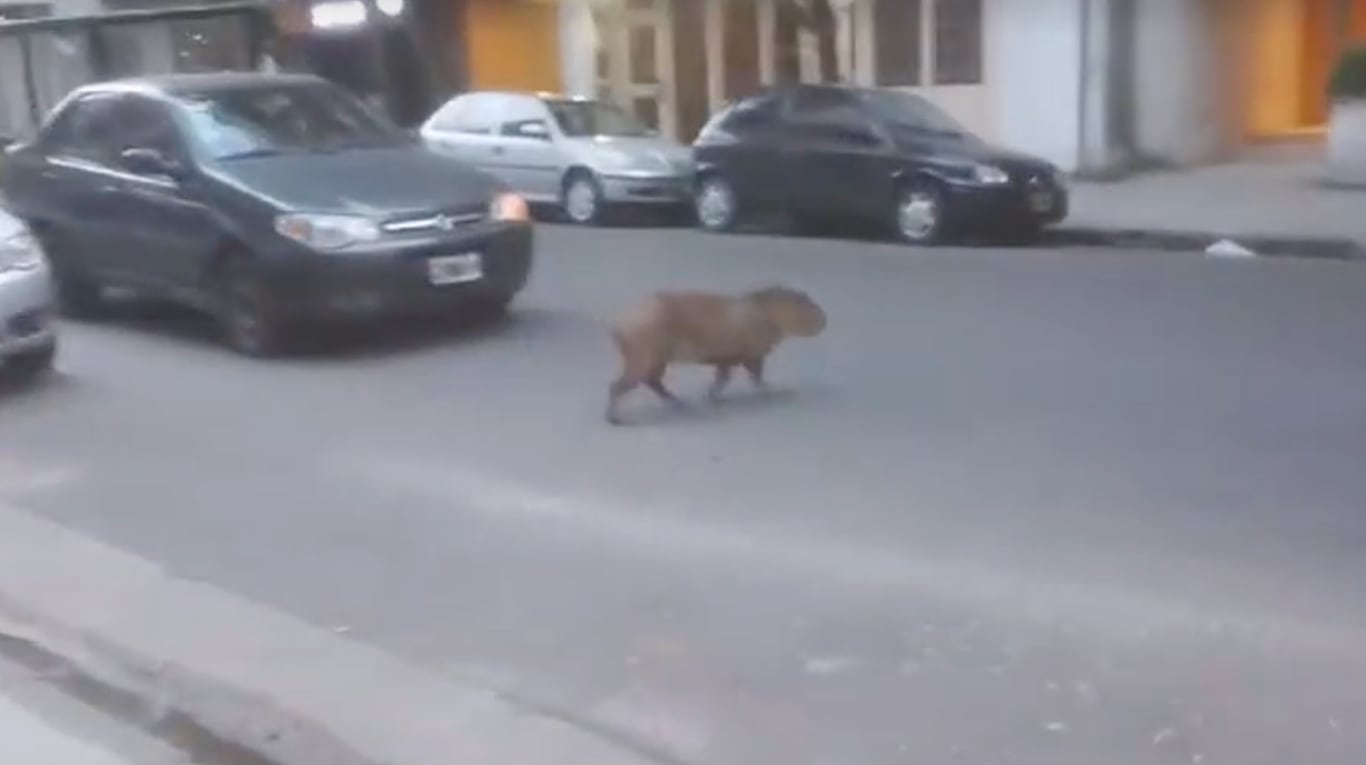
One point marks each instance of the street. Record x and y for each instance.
(1014, 507)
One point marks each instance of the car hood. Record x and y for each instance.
(374, 182)
(646, 154)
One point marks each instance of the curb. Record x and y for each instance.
(1266, 245)
(253, 683)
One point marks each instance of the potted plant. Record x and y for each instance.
(1346, 146)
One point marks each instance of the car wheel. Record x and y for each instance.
(34, 363)
(715, 203)
(581, 199)
(79, 295)
(248, 322)
(920, 213)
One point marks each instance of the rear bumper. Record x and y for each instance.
(27, 315)
(394, 280)
(977, 207)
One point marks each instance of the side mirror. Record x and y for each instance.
(149, 162)
(538, 130)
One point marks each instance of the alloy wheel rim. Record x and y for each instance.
(714, 205)
(918, 215)
(582, 201)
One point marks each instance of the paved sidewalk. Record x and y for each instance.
(1273, 207)
(26, 739)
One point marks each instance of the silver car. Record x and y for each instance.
(581, 154)
(28, 335)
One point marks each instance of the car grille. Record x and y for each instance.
(435, 220)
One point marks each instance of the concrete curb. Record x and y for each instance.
(287, 692)
(1266, 245)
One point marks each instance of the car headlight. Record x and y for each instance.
(327, 232)
(509, 207)
(20, 252)
(990, 175)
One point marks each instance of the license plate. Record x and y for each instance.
(1041, 201)
(456, 269)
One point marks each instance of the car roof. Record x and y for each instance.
(172, 84)
(542, 95)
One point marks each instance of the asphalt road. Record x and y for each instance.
(1015, 507)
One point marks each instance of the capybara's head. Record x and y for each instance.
(794, 312)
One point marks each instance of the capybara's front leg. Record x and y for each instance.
(755, 367)
(719, 383)
(655, 382)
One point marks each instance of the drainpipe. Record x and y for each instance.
(1083, 86)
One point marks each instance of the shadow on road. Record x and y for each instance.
(367, 341)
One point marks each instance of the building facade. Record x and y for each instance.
(1092, 85)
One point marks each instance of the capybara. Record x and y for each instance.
(716, 330)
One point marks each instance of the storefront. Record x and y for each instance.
(41, 60)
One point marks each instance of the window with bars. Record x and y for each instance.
(958, 42)
(899, 38)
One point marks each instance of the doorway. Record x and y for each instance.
(634, 59)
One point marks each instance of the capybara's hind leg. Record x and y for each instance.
(655, 382)
(719, 383)
(755, 367)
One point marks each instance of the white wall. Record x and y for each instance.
(1033, 60)
(577, 48)
(1176, 104)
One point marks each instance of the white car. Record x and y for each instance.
(28, 330)
(579, 153)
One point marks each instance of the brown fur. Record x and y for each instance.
(720, 331)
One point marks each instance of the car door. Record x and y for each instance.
(526, 151)
(77, 185)
(838, 158)
(745, 143)
(168, 228)
(463, 128)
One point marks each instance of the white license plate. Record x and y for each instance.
(456, 269)
(1041, 201)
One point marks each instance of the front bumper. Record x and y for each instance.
(393, 279)
(972, 206)
(647, 189)
(27, 315)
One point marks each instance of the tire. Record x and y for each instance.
(918, 216)
(79, 295)
(581, 199)
(34, 363)
(249, 325)
(716, 206)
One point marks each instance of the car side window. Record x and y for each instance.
(828, 114)
(82, 130)
(753, 115)
(472, 113)
(524, 118)
(141, 123)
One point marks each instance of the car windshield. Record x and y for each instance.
(903, 111)
(261, 121)
(593, 118)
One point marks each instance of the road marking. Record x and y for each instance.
(1119, 614)
(293, 691)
